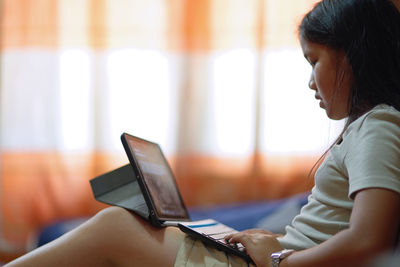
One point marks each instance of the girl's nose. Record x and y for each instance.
(311, 83)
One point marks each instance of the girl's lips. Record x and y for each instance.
(321, 104)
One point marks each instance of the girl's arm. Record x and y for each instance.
(373, 229)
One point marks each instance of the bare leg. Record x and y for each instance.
(114, 237)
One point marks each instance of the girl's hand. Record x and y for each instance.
(259, 245)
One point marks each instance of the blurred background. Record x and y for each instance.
(221, 85)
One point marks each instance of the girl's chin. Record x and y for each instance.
(335, 116)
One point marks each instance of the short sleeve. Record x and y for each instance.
(374, 158)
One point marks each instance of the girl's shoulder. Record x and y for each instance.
(380, 115)
(384, 109)
(381, 120)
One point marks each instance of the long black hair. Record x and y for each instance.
(368, 31)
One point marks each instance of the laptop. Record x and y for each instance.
(147, 187)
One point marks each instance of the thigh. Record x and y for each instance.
(113, 237)
(132, 241)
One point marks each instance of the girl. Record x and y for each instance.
(353, 213)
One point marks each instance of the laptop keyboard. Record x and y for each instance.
(220, 237)
(215, 231)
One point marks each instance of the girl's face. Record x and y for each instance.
(332, 90)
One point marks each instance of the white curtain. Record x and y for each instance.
(221, 85)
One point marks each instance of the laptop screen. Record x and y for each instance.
(158, 178)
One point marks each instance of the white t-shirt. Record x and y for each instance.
(367, 157)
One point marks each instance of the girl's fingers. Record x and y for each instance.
(236, 238)
(250, 231)
(229, 237)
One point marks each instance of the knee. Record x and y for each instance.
(112, 231)
(112, 213)
(112, 219)
(107, 228)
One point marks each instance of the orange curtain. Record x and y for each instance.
(217, 83)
